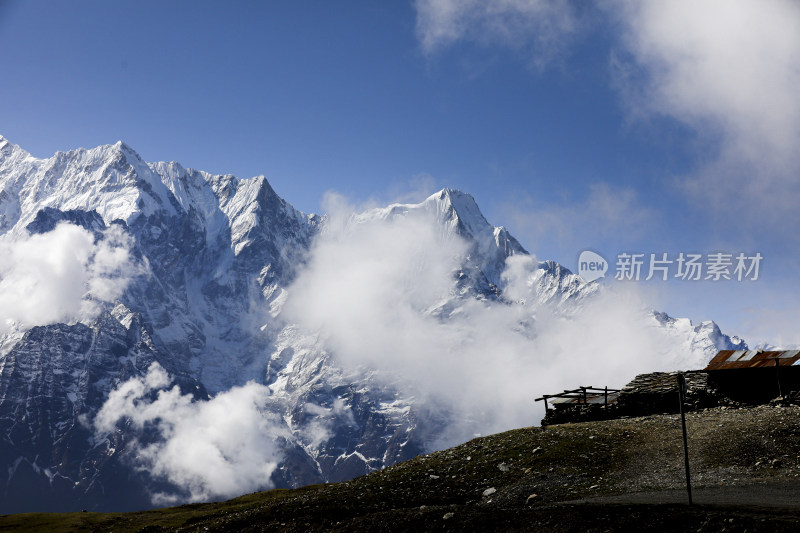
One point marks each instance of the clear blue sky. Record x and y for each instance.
(646, 128)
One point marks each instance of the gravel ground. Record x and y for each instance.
(744, 461)
(614, 475)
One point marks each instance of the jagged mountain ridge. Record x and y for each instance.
(221, 252)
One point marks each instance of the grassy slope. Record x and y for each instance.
(533, 473)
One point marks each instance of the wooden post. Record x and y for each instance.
(681, 399)
(605, 399)
(778, 376)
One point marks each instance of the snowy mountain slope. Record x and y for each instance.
(219, 256)
(700, 340)
(216, 248)
(54, 376)
(213, 243)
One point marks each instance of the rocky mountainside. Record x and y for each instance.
(193, 272)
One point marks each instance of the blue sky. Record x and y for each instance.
(640, 127)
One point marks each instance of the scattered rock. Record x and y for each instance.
(640, 460)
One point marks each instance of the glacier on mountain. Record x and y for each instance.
(425, 324)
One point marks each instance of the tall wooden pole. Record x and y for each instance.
(681, 399)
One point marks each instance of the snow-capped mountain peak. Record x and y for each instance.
(224, 255)
(459, 212)
(10, 155)
(112, 180)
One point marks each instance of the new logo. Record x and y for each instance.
(591, 265)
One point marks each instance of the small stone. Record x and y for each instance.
(594, 487)
(503, 467)
(448, 516)
(434, 476)
(489, 491)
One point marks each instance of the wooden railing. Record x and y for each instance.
(581, 393)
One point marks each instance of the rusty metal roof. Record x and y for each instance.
(730, 359)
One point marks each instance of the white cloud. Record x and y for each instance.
(218, 448)
(730, 71)
(319, 428)
(516, 276)
(62, 275)
(735, 63)
(382, 295)
(537, 27)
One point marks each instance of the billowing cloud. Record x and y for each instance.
(729, 71)
(382, 295)
(218, 448)
(63, 275)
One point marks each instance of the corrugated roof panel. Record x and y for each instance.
(762, 356)
(749, 354)
(555, 401)
(735, 356)
(727, 359)
(721, 356)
